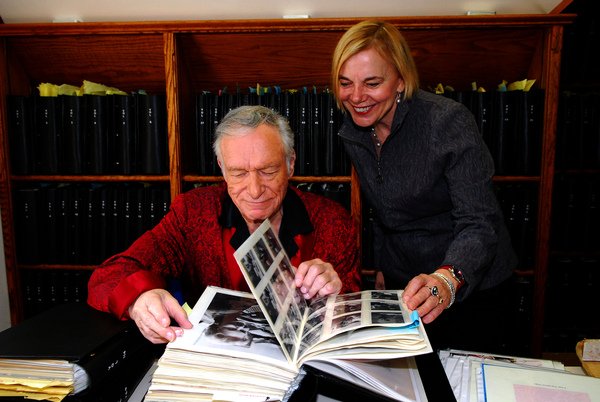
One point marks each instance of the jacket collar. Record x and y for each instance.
(295, 221)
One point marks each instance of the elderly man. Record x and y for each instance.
(195, 241)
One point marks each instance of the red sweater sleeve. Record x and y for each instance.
(130, 288)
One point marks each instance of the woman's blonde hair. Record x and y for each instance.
(387, 40)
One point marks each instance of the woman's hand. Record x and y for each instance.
(427, 294)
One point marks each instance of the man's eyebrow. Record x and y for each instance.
(270, 166)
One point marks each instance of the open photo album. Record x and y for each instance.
(363, 325)
(253, 346)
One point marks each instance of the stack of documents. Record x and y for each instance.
(480, 377)
(50, 380)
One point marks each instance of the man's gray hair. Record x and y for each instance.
(239, 120)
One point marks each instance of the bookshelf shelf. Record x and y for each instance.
(183, 58)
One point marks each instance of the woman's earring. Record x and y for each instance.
(398, 97)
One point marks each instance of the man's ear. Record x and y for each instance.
(221, 167)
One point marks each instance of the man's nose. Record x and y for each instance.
(255, 185)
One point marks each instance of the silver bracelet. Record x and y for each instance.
(450, 287)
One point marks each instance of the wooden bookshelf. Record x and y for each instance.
(183, 58)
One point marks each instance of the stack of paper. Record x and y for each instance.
(49, 380)
(237, 360)
(68, 349)
(480, 377)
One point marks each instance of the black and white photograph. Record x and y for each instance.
(316, 318)
(288, 336)
(310, 336)
(345, 322)
(383, 317)
(294, 316)
(252, 268)
(348, 297)
(385, 306)
(263, 254)
(279, 287)
(273, 242)
(385, 294)
(269, 301)
(287, 270)
(349, 307)
(236, 323)
(318, 303)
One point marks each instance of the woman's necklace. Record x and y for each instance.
(378, 151)
(375, 138)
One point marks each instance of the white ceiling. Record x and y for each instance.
(16, 11)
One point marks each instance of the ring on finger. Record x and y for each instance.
(434, 291)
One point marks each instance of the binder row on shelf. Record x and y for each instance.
(571, 279)
(127, 134)
(73, 223)
(577, 213)
(46, 288)
(578, 131)
(313, 116)
(511, 123)
(89, 134)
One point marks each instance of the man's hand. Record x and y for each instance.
(316, 277)
(152, 312)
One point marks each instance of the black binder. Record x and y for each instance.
(481, 107)
(50, 221)
(503, 129)
(27, 224)
(20, 134)
(46, 135)
(152, 133)
(72, 112)
(75, 332)
(96, 133)
(119, 385)
(302, 132)
(122, 134)
(202, 135)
